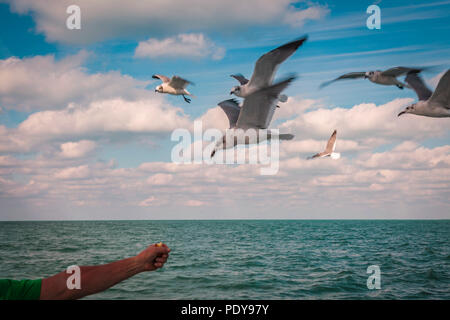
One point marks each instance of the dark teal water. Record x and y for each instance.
(243, 259)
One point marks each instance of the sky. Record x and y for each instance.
(83, 135)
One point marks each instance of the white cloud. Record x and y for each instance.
(106, 19)
(80, 172)
(193, 45)
(77, 149)
(395, 177)
(115, 115)
(147, 202)
(297, 18)
(41, 82)
(195, 203)
(160, 179)
(314, 146)
(97, 119)
(366, 122)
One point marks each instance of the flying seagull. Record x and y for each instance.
(256, 113)
(431, 104)
(329, 150)
(243, 81)
(265, 69)
(175, 86)
(387, 77)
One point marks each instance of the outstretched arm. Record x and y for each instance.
(95, 279)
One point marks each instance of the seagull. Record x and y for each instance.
(175, 86)
(243, 81)
(329, 150)
(256, 113)
(265, 69)
(431, 104)
(387, 77)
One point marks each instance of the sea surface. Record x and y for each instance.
(243, 259)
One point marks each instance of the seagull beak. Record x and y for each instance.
(403, 112)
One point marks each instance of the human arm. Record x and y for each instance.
(95, 279)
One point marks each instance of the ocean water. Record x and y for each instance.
(267, 259)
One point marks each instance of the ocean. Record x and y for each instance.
(244, 259)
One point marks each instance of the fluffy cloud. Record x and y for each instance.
(193, 45)
(98, 119)
(105, 19)
(41, 82)
(395, 177)
(77, 149)
(80, 172)
(366, 122)
(408, 174)
(116, 115)
(297, 18)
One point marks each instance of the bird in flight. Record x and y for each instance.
(175, 86)
(387, 77)
(329, 150)
(256, 113)
(431, 104)
(265, 68)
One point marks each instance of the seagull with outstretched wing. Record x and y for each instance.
(436, 104)
(174, 86)
(329, 150)
(265, 69)
(387, 77)
(256, 113)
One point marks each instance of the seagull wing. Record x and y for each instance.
(267, 64)
(318, 155)
(351, 75)
(258, 108)
(239, 77)
(331, 145)
(442, 93)
(179, 83)
(415, 82)
(232, 110)
(164, 79)
(398, 71)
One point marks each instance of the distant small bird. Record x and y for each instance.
(175, 86)
(329, 150)
(256, 113)
(387, 78)
(430, 104)
(265, 68)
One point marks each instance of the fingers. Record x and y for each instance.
(161, 259)
(162, 252)
(159, 262)
(161, 248)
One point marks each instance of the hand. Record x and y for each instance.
(153, 257)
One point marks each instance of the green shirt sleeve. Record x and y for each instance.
(20, 289)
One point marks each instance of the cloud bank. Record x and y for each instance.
(107, 19)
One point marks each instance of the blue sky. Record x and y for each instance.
(413, 33)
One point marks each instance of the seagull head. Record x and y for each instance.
(159, 89)
(409, 109)
(236, 91)
(369, 74)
